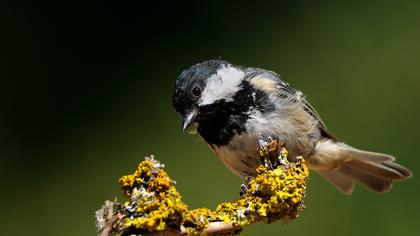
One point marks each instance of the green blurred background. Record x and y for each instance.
(86, 93)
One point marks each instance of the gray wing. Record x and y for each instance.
(284, 90)
(324, 131)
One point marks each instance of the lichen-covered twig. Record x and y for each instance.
(154, 206)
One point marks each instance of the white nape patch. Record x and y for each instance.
(223, 85)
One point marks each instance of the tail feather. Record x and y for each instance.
(377, 169)
(369, 181)
(343, 165)
(401, 169)
(342, 182)
(372, 156)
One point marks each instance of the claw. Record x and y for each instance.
(272, 153)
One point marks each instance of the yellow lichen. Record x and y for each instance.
(154, 204)
(276, 192)
(195, 221)
(272, 195)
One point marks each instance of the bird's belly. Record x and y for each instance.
(240, 155)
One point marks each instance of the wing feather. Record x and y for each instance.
(270, 81)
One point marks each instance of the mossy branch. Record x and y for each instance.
(154, 206)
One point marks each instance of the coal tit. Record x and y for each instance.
(233, 108)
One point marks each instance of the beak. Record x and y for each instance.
(188, 119)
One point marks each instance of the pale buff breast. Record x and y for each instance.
(240, 156)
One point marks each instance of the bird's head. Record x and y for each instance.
(200, 88)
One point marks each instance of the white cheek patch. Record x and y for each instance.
(223, 85)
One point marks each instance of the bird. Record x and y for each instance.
(234, 107)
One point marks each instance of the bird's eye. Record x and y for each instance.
(196, 91)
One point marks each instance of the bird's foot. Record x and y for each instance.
(273, 153)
